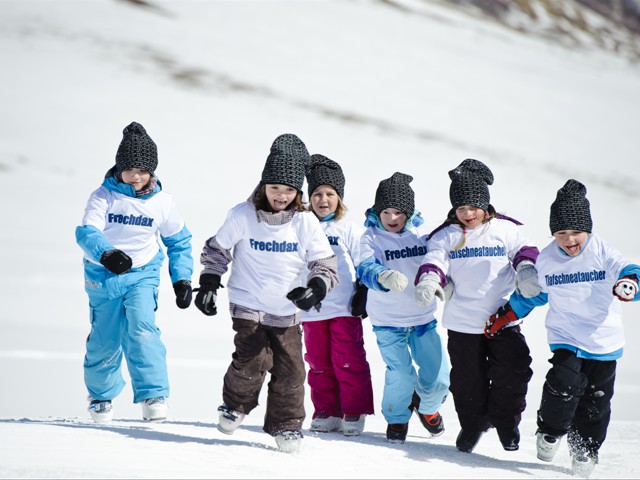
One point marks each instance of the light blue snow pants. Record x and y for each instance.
(400, 347)
(123, 322)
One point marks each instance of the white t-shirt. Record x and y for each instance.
(133, 225)
(270, 260)
(482, 271)
(402, 252)
(583, 311)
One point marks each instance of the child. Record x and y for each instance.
(583, 280)
(390, 250)
(480, 251)
(273, 242)
(339, 374)
(123, 222)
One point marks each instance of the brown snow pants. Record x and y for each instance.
(278, 351)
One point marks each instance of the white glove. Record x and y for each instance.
(427, 288)
(527, 280)
(625, 289)
(393, 280)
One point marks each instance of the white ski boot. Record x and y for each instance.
(583, 465)
(289, 441)
(353, 425)
(547, 446)
(155, 409)
(325, 423)
(101, 411)
(229, 419)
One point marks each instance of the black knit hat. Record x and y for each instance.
(324, 171)
(136, 150)
(470, 184)
(571, 210)
(395, 192)
(287, 162)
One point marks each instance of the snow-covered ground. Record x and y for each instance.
(379, 90)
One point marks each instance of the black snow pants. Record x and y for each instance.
(576, 400)
(489, 378)
(278, 351)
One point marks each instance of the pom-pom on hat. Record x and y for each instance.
(571, 211)
(395, 192)
(470, 184)
(136, 150)
(324, 171)
(287, 162)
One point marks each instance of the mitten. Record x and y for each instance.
(393, 280)
(626, 288)
(116, 261)
(359, 301)
(427, 289)
(310, 296)
(182, 289)
(206, 297)
(527, 280)
(499, 321)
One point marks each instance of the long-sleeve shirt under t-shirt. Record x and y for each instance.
(269, 260)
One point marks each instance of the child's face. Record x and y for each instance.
(571, 241)
(136, 177)
(393, 220)
(324, 201)
(470, 216)
(279, 196)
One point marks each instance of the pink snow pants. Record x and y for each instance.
(339, 375)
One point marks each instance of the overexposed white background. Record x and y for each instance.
(379, 89)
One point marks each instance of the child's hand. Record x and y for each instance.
(499, 321)
(427, 289)
(393, 280)
(182, 289)
(527, 280)
(309, 297)
(206, 297)
(116, 261)
(359, 301)
(626, 288)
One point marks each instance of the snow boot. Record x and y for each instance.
(547, 446)
(229, 419)
(101, 411)
(467, 440)
(155, 409)
(353, 425)
(397, 432)
(325, 423)
(509, 438)
(289, 441)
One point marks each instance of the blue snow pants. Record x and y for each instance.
(400, 347)
(122, 315)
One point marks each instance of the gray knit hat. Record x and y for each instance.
(470, 184)
(324, 171)
(287, 162)
(136, 150)
(571, 210)
(395, 192)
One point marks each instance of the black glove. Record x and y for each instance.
(182, 288)
(359, 301)
(116, 261)
(206, 297)
(311, 296)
